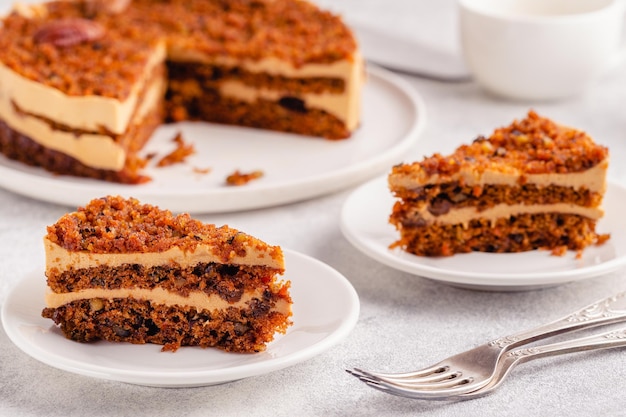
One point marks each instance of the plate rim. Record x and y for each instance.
(51, 189)
(187, 378)
(405, 262)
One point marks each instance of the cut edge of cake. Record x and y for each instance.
(534, 184)
(123, 271)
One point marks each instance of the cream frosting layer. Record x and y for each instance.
(197, 299)
(335, 104)
(594, 179)
(466, 214)
(62, 259)
(274, 66)
(88, 113)
(92, 149)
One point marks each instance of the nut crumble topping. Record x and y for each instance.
(535, 145)
(113, 224)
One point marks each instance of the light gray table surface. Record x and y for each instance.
(405, 321)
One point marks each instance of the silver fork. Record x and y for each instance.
(511, 359)
(473, 369)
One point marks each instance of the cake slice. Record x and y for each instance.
(533, 184)
(121, 271)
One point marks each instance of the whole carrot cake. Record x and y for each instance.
(84, 83)
(122, 271)
(533, 184)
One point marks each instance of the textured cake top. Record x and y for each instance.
(80, 48)
(114, 225)
(293, 30)
(61, 48)
(534, 145)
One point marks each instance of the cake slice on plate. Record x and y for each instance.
(121, 271)
(533, 184)
(84, 84)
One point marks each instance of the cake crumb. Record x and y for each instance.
(178, 155)
(238, 178)
(601, 239)
(559, 250)
(199, 170)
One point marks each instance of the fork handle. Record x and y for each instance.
(612, 339)
(510, 359)
(606, 311)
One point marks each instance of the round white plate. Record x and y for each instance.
(295, 167)
(364, 222)
(325, 309)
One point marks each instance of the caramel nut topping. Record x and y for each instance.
(69, 32)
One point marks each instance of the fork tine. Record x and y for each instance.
(443, 381)
(445, 378)
(448, 394)
(437, 378)
(454, 381)
(426, 372)
(384, 388)
(356, 372)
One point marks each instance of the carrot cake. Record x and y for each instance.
(84, 83)
(533, 184)
(122, 271)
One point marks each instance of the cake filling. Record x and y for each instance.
(464, 215)
(195, 299)
(257, 94)
(62, 259)
(343, 103)
(593, 179)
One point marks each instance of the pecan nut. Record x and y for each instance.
(69, 32)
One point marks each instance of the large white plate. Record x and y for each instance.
(364, 222)
(295, 167)
(325, 309)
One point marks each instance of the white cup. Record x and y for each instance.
(539, 49)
